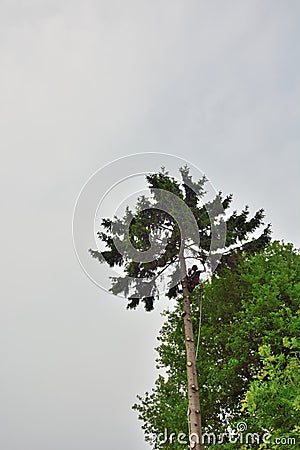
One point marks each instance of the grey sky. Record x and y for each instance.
(83, 83)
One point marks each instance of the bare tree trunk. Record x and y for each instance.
(192, 378)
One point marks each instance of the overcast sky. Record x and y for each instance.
(85, 82)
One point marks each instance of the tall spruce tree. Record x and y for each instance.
(166, 231)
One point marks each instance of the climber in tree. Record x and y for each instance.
(194, 277)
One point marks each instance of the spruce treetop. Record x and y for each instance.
(174, 222)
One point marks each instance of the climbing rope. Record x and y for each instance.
(199, 298)
(189, 422)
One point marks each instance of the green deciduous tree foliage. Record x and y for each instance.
(248, 365)
(272, 400)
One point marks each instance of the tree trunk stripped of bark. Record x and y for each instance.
(192, 378)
